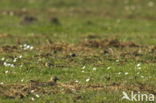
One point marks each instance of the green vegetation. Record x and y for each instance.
(96, 48)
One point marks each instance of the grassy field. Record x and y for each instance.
(76, 51)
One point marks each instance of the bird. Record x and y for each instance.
(51, 82)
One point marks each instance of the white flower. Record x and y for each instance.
(138, 72)
(37, 96)
(82, 70)
(138, 65)
(76, 81)
(25, 45)
(3, 59)
(117, 60)
(88, 79)
(15, 59)
(1, 83)
(12, 65)
(20, 56)
(22, 80)
(119, 73)
(31, 47)
(21, 46)
(6, 72)
(126, 73)
(32, 99)
(83, 67)
(108, 68)
(8, 64)
(94, 68)
(32, 91)
(142, 76)
(28, 46)
(5, 63)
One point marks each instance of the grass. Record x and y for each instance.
(68, 35)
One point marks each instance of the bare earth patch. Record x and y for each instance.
(25, 90)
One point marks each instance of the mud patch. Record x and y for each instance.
(8, 48)
(25, 90)
(97, 43)
(96, 51)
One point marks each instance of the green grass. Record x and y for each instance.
(105, 19)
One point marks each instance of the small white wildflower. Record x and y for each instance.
(126, 73)
(37, 96)
(25, 45)
(76, 81)
(31, 47)
(12, 65)
(21, 46)
(88, 79)
(138, 65)
(138, 72)
(117, 60)
(150, 4)
(6, 72)
(9, 64)
(142, 76)
(15, 60)
(20, 56)
(21, 66)
(4, 63)
(32, 91)
(22, 80)
(32, 99)
(3, 59)
(108, 68)
(83, 67)
(119, 73)
(28, 46)
(1, 83)
(82, 70)
(94, 68)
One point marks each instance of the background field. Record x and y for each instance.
(96, 48)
